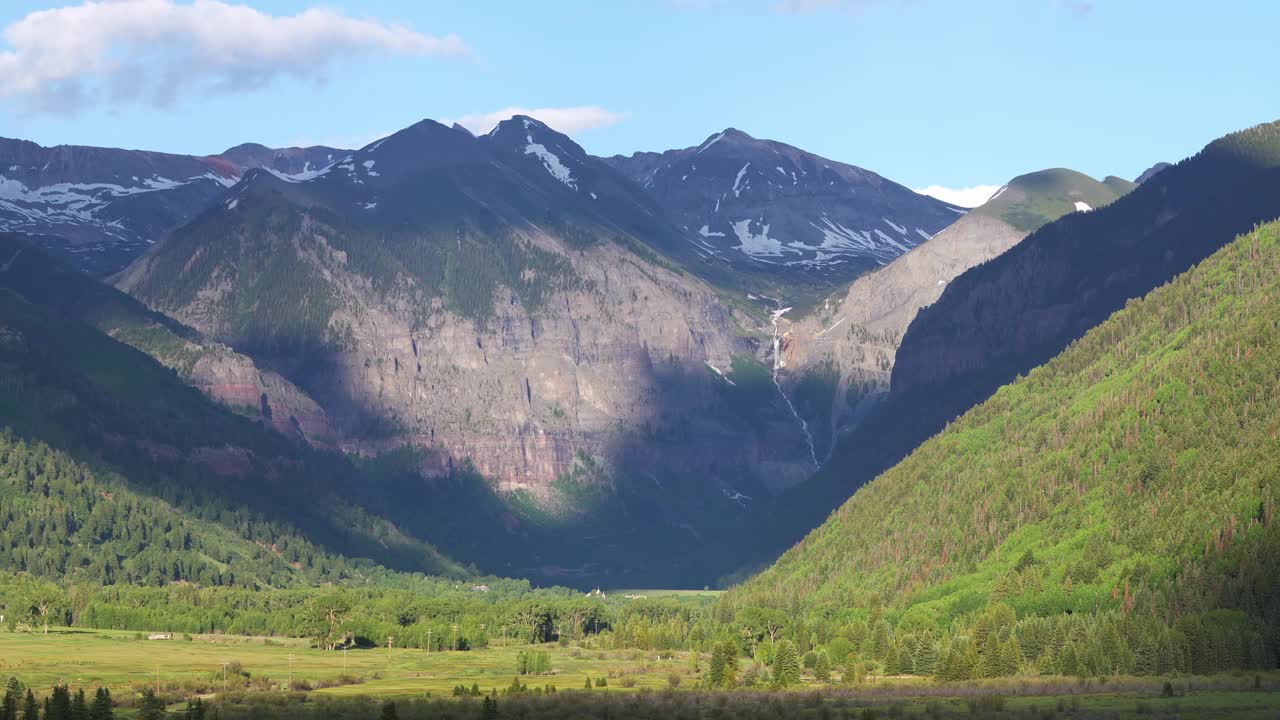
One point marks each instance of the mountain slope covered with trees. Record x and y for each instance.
(1114, 510)
(111, 415)
(1020, 309)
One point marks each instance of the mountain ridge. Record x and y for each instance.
(1127, 482)
(800, 218)
(101, 207)
(528, 331)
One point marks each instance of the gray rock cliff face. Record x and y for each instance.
(592, 347)
(852, 340)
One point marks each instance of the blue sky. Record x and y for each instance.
(950, 92)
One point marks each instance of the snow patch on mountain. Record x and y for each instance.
(550, 161)
(711, 142)
(757, 244)
(738, 181)
(305, 175)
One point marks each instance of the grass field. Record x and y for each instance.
(118, 660)
(125, 663)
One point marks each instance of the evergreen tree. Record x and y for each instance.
(79, 706)
(786, 665)
(1011, 657)
(715, 669)
(150, 707)
(723, 670)
(854, 671)
(12, 700)
(58, 705)
(30, 708)
(195, 709)
(101, 709)
(822, 669)
(1069, 661)
(926, 656)
(389, 711)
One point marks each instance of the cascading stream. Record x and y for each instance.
(775, 316)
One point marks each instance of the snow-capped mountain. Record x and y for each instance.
(503, 300)
(102, 207)
(762, 203)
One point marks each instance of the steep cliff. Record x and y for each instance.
(840, 356)
(506, 304)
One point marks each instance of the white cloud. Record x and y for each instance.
(153, 51)
(568, 120)
(961, 197)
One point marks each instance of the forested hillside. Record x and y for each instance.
(1112, 511)
(1020, 309)
(61, 520)
(221, 373)
(1023, 307)
(114, 416)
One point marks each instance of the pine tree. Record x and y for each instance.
(854, 671)
(150, 707)
(879, 639)
(101, 709)
(822, 670)
(786, 665)
(30, 708)
(80, 706)
(12, 700)
(58, 705)
(1011, 657)
(723, 671)
(1069, 661)
(926, 658)
(715, 671)
(389, 711)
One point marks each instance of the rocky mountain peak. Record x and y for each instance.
(769, 208)
(1152, 172)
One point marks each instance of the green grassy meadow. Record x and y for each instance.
(119, 660)
(126, 661)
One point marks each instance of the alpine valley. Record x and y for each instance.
(525, 345)
(643, 370)
(378, 395)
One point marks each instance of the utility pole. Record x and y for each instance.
(455, 637)
(224, 675)
(389, 641)
(428, 640)
(289, 687)
(157, 679)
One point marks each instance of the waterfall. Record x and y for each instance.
(775, 316)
